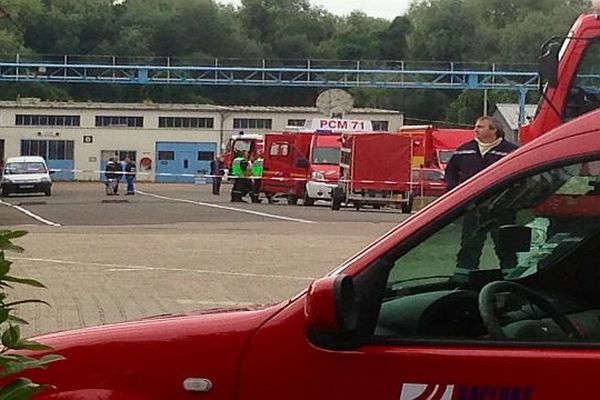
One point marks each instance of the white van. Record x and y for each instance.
(27, 174)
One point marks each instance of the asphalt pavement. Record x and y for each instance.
(171, 248)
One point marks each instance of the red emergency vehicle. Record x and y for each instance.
(391, 322)
(252, 143)
(568, 77)
(286, 165)
(314, 177)
(433, 147)
(375, 171)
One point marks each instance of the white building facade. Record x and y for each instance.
(77, 138)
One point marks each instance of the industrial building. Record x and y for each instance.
(165, 140)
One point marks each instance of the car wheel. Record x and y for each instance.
(308, 201)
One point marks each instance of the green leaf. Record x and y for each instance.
(14, 234)
(24, 281)
(21, 389)
(4, 268)
(30, 345)
(4, 314)
(11, 336)
(15, 303)
(17, 320)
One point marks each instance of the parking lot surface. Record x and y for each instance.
(170, 249)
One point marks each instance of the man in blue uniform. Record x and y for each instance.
(488, 147)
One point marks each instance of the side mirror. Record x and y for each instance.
(51, 171)
(302, 163)
(514, 238)
(548, 62)
(330, 311)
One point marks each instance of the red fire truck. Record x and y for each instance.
(310, 169)
(252, 143)
(433, 147)
(569, 77)
(375, 171)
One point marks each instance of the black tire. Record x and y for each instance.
(308, 201)
(292, 200)
(407, 206)
(337, 195)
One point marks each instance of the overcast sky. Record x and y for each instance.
(388, 9)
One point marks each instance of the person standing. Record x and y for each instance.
(240, 172)
(257, 172)
(130, 172)
(488, 147)
(112, 174)
(217, 166)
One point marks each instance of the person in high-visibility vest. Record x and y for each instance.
(256, 172)
(240, 172)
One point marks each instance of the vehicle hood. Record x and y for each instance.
(151, 358)
(331, 172)
(25, 178)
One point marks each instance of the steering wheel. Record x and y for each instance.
(487, 309)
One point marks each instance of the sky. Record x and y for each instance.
(388, 9)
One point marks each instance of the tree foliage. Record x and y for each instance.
(198, 31)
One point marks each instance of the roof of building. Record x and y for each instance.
(30, 102)
(510, 113)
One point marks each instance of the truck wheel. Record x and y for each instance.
(292, 200)
(308, 201)
(407, 206)
(337, 195)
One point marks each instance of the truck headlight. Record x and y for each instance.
(5, 180)
(317, 176)
(44, 179)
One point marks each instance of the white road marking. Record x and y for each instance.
(29, 213)
(199, 203)
(137, 268)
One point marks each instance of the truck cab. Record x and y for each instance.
(569, 77)
(324, 166)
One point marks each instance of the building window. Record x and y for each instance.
(49, 149)
(380, 125)
(185, 122)
(119, 121)
(47, 120)
(206, 156)
(296, 122)
(252, 123)
(166, 155)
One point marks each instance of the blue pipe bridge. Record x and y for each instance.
(304, 73)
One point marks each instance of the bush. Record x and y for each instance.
(11, 362)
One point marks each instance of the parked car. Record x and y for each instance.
(400, 319)
(428, 182)
(27, 174)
